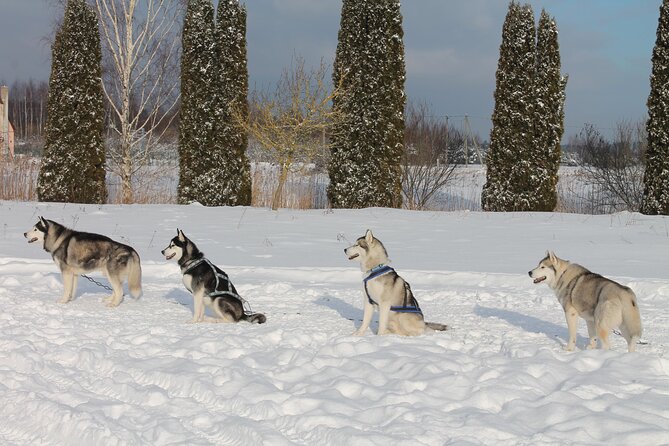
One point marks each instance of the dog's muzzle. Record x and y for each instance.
(538, 279)
(32, 240)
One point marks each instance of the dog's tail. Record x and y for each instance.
(254, 318)
(135, 275)
(436, 326)
(631, 320)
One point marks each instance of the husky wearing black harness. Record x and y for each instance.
(384, 289)
(208, 284)
(78, 252)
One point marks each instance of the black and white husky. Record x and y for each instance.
(208, 284)
(78, 252)
(384, 289)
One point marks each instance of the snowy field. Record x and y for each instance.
(84, 374)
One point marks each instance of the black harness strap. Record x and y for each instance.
(221, 277)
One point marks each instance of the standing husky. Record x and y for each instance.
(399, 312)
(208, 284)
(80, 252)
(603, 303)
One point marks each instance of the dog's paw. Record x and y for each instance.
(63, 300)
(358, 333)
(569, 347)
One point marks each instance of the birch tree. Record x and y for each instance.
(141, 51)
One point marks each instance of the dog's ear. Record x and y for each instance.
(182, 237)
(43, 221)
(551, 255)
(369, 237)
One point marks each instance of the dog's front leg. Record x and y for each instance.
(198, 308)
(68, 280)
(571, 315)
(368, 312)
(384, 313)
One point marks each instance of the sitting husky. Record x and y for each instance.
(208, 284)
(80, 252)
(399, 312)
(603, 303)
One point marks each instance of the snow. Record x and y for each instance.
(138, 374)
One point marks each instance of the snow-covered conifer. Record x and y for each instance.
(510, 178)
(367, 139)
(197, 115)
(656, 176)
(227, 181)
(72, 168)
(548, 115)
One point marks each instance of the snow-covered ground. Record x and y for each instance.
(84, 374)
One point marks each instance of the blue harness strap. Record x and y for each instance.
(381, 270)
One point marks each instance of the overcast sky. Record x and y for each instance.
(451, 50)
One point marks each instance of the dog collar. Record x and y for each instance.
(377, 271)
(193, 264)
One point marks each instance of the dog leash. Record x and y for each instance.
(101, 285)
(381, 270)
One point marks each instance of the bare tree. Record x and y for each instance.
(425, 163)
(290, 122)
(141, 56)
(615, 168)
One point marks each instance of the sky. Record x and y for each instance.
(451, 48)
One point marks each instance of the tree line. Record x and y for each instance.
(372, 156)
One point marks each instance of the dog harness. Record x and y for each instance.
(221, 277)
(408, 307)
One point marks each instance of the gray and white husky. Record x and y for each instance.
(81, 252)
(208, 284)
(603, 303)
(384, 289)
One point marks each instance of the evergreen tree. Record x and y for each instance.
(656, 176)
(511, 182)
(198, 103)
(548, 114)
(367, 140)
(228, 181)
(72, 168)
(397, 77)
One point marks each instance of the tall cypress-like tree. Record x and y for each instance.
(510, 179)
(397, 77)
(548, 114)
(230, 171)
(198, 103)
(72, 168)
(656, 176)
(367, 140)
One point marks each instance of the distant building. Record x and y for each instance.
(6, 127)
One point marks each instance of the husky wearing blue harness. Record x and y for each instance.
(208, 284)
(383, 288)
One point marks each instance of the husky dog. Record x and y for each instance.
(383, 288)
(603, 303)
(208, 284)
(80, 252)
